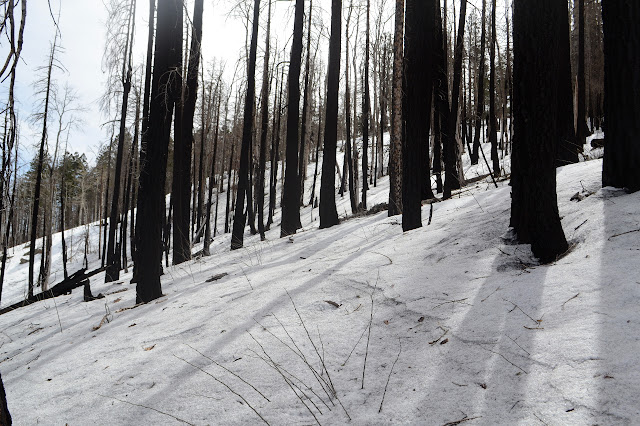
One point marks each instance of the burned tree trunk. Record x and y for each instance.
(328, 212)
(417, 86)
(534, 208)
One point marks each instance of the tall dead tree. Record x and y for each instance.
(305, 109)
(621, 164)
(568, 147)
(366, 113)
(112, 272)
(581, 124)
(264, 126)
(239, 220)
(347, 112)
(151, 194)
(328, 212)
(480, 92)
(395, 152)
(451, 154)
(183, 145)
(417, 86)
(291, 197)
(44, 116)
(534, 208)
(493, 123)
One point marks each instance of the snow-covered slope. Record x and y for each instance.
(449, 322)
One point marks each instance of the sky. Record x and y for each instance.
(82, 27)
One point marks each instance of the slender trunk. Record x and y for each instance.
(318, 144)
(480, 95)
(366, 110)
(493, 125)
(581, 125)
(145, 123)
(113, 268)
(395, 153)
(291, 199)
(328, 212)
(239, 220)
(347, 110)
(36, 197)
(212, 178)
(275, 142)
(229, 178)
(305, 109)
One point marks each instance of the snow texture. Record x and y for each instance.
(450, 322)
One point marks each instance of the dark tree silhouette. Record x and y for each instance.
(5, 416)
(480, 96)
(581, 124)
(183, 145)
(239, 219)
(305, 109)
(291, 197)
(534, 208)
(417, 87)
(328, 212)
(264, 127)
(452, 179)
(153, 164)
(36, 198)
(493, 123)
(113, 265)
(621, 166)
(366, 113)
(567, 148)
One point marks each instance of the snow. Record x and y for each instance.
(455, 321)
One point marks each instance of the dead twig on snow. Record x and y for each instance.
(148, 408)
(462, 420)
(389, 378)
(223, 384)
(570, 300)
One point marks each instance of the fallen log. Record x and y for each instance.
(77, 279)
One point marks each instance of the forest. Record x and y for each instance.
(337, 185)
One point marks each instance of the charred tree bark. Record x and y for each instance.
(534, 208)
(568, 146)
(493, 123)
(395, 153)
(581, 125)
(621, 165)
(305, 110)
(480, 96)
(113, 265)
(183, 145)
(275, 151)
(264, 127)
(239, 220)
(328, 212)
(212, 176)
(347, 111)
(145, 122)
(366, 111)
(291, 198)
(151, 194)
(417, 86)
(451, 150)
(36, 196)
(5, 416)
